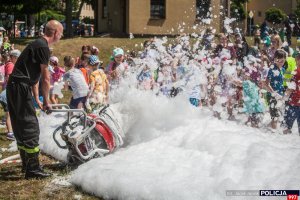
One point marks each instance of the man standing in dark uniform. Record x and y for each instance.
(31, 66)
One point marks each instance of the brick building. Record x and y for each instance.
(157, 17)
(161, 17)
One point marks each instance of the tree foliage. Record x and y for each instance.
(275, 15)
(47, 9)
(11, 2)
(27, 6)
(46, 15)
(237, 9)
(297, 10)
(240, 1)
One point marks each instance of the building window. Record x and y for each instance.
(259, 13)
(104, 9)
(158, 9)
(202, 7)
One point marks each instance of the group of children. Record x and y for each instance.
(228, 76)
(86, 77)
(225, 74)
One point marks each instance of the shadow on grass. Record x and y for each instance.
(21, 41)
(11, 174)
(60, 167)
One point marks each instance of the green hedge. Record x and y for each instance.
(275, 15)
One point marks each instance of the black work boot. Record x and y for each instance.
(33, 168)
(23, 159)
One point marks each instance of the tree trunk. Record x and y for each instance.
(96, 17)
(31, 25)
(69, 8)
(79, 9)
(31, 20)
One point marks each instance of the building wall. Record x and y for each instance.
(133, 16)
(177, 12)
(87, 11)
(259, 7)
(117, 16)
(102, 22)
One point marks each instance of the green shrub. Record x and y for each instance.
(275, 15)
(237, 11)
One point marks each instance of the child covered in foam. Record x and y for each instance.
(117, 68)
(99, 85)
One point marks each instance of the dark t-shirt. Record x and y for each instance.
(295, 96)
(275, 76)
(27, 67)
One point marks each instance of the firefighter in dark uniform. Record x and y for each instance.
(30, 68)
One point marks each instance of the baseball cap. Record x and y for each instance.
(54, 60)
(15, 53)
(93, 60)
(118, 51)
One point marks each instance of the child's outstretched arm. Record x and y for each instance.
(236, 82)
(267, 86)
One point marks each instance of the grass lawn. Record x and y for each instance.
(72, 47)
(250, 41)
(12, 183)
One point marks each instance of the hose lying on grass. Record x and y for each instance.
(11, 159)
